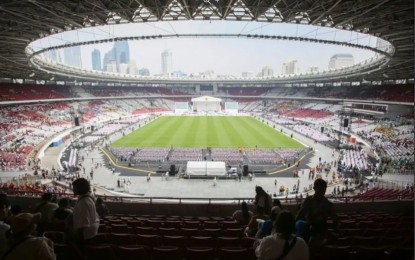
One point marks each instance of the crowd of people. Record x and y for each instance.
(22, 232)
(279, 234)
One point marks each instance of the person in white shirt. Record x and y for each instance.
(282, 244)
(85, 216)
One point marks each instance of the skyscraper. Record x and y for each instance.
(341, 60)
(96, 59)
(72, 56)
(166, 62)
(267, 71)
(132, 67)
(290, 67)
(120, 53)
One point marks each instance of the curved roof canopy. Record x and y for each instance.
(22, 22)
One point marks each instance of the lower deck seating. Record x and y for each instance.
(365, 235)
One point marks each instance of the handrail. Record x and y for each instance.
(195, 200)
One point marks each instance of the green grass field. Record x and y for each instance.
(203, 131)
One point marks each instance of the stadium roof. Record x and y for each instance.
(26, 20)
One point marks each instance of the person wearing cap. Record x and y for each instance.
(4, 214)
(85, 216)
(22, 242)
(313, 215)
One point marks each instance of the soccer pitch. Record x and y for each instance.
(204, 131)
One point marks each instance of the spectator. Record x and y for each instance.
(4, 214)
(63, 211)
(263, 199)
(242, 216)
(85, 217)
(22, 242)
(265, 228)
(312, 217)
(47, 208)
(259, 217)
(102, 208)
(283, 244)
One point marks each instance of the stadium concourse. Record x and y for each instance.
(111, 180)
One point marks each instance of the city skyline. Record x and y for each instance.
(205, 60)
(225, 56)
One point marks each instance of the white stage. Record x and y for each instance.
(206, 104)
(206, 168)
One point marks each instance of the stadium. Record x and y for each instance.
(174, 154)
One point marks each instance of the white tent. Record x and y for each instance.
(206, 168)
(206, 104)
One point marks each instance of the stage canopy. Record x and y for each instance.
(206, 168)
(206, 104)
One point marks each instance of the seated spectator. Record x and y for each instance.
(63, 211)
(242, 216)
(313, 215)
(282, 244)
(276, 203)
(4, 227)
(102, 208)
(22, 241)
(47, 208)
(259, 217)
(267, 226)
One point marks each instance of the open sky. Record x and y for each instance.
(222, 55)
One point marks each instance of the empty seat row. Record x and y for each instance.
(157, 240)
(114, 252)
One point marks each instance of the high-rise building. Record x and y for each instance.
(132, 67)
(247, 74)
(120, 53)
(72, 56)
(96, 59)
(166, 62)
(341, 60)
(112, 66)
(267, 71)
(123, 68)
(313, 69)
(144, 72)
(290, 67)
